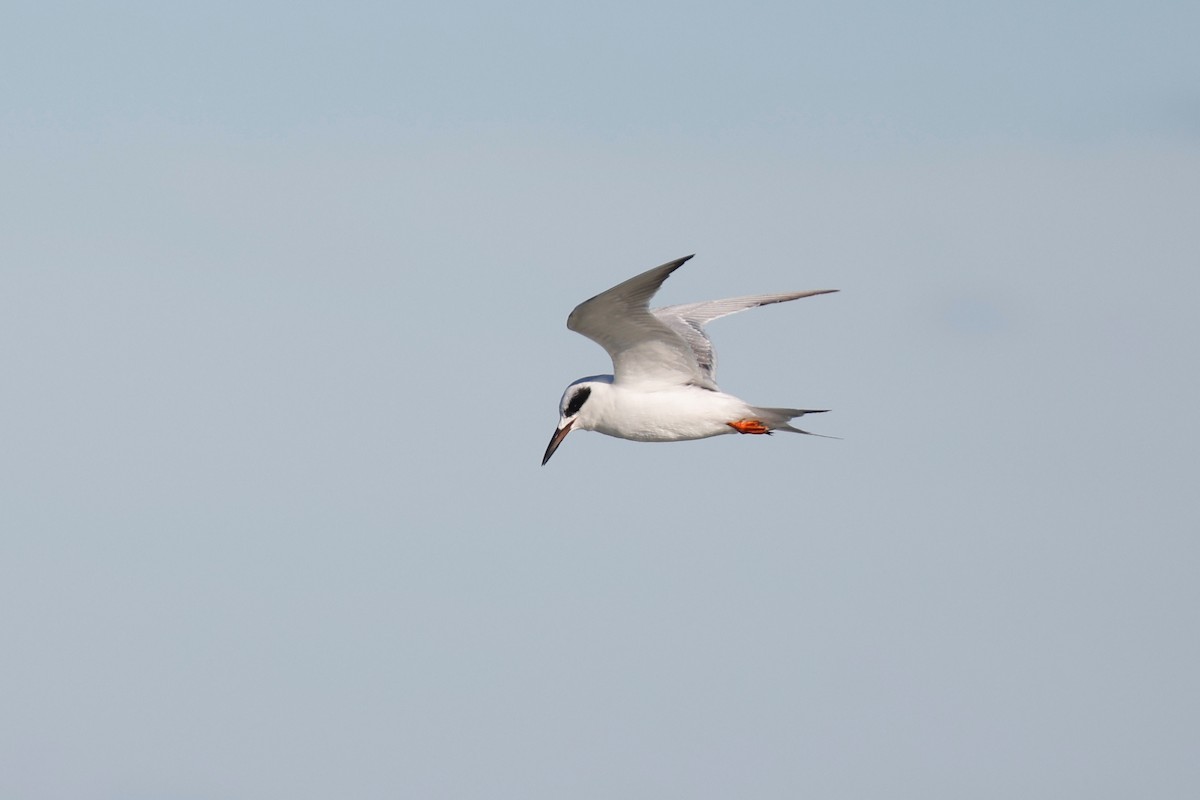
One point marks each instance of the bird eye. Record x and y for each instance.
(577, 401)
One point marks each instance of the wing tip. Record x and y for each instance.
(677, 263)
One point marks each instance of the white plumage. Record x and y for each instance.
(663, 387)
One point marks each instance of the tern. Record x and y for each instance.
(663, 387)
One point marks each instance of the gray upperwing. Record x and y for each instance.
(645, 349)
(688, 320)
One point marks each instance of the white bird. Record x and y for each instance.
(663, 387)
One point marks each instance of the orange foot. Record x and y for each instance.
(748, 426)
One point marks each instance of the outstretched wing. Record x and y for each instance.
(644, 348)
(688, 322)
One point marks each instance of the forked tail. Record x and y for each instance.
(777, 419)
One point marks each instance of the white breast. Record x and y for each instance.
(668, 415)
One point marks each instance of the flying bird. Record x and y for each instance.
(663, 387)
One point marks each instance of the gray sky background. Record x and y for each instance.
(282, 340)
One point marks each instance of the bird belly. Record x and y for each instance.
(670, 416)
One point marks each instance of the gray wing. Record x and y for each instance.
(688, 321)
(644, 348)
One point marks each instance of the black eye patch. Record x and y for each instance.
(577, 401)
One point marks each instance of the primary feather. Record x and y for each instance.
(688, 320)
(644, 349)
(667, 346)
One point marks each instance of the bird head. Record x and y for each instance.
(573, 409)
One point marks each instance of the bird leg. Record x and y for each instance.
(748, 426)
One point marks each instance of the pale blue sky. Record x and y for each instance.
(282, 332)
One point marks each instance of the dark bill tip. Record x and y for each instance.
(556, 440)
